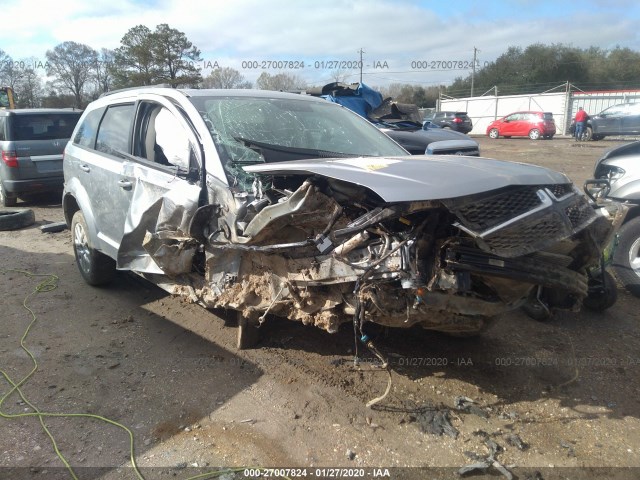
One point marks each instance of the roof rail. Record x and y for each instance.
(159, 85)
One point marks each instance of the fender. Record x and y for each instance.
(74, 194)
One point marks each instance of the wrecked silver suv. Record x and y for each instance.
(274, 203)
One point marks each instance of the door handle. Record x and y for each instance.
(125, 184)
(85, 168)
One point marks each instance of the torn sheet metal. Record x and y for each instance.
(154, 209)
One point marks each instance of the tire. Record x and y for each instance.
(15, 219)
(95, 267)
(626, 259)
(548, 137)
(7, 199)
(588, 135)
(534, 134)
(600, 301)
(493, 133)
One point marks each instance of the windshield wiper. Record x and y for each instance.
(304, 152)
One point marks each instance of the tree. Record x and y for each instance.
(280, 81)
(69, 63)
(174, 56)
(103, 71)
(133, 62)
(28, 87)
(6, 64)
(162, 56)
(225, 77)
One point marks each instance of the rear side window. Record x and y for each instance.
(45, 126)
(115, 129)
(86, 134)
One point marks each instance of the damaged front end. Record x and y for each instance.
(332, 241)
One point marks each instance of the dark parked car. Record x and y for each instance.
(429, 139)
(621, 119)
(31, 143)
(273, 203)
(617, 177)
(458, 121)
(534, 125)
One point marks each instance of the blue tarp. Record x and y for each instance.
(363, 100)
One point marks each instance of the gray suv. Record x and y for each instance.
(274, 203)
(31, 144)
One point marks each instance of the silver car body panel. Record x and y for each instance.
(405, 179)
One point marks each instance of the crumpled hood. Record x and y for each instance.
(419, 177)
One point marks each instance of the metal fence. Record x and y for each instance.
(563, 104)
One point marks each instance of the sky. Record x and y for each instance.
(404, 41)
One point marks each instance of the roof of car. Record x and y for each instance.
(35, 111)
(193, 92)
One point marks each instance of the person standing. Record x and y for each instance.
(580, 123)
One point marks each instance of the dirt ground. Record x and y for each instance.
(167, 370)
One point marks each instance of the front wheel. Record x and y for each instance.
(604, 296)
(95, 267)
(534, 134)
(626, 260)
(493, 133)
(587, 135)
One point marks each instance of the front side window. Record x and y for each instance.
(615, 111)
(115, 130)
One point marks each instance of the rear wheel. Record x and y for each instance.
(95, 267)
(493, 133)
(626, 260)
(534, 134)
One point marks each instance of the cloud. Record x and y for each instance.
(395, 32)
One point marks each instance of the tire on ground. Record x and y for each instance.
(95, 267)
(15, 219)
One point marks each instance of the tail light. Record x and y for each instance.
(10, 158)
(457, 120)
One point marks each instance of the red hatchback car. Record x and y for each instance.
(534, 125)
